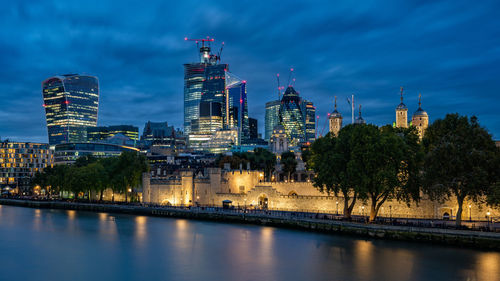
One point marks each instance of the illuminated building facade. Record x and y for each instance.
(402, 114)
(194, 76)
(237, 106)
(292, 116)
(309, 121)
(19, 161)
(335, 121)
(272, 118)
(420, 119)
(71, 103)
(96, 134)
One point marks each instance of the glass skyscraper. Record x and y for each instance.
(272, 118)
(71, 104)
(292, 116)
(309, 120)
(237, 105)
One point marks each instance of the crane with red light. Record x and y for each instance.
(205, 55)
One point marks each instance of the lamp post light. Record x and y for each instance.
(337, 203)
(363, 210)
(245, 203)
(390, 212)
(488, 214)
(470, 214)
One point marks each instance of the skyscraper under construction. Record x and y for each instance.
(214, 98)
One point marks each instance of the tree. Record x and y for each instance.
(329, 158)
(383, 165)
(289, 163)
(461, 161)
(129, 171)
(264, 160)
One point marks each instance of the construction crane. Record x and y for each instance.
(205, 55)
(280, 88)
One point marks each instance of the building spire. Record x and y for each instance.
(335, 103)
(360, 110)
(401, 94)
(419, 100)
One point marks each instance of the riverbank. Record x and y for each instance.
(461, 238)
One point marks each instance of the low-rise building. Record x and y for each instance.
(67, 153)
(19, 161)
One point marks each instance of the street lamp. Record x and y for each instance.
(337, 203)
(363, 208)
(488, 216)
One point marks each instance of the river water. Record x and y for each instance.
(41, 244)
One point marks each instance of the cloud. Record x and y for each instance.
(447, 50)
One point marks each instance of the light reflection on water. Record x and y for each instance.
(65, 245)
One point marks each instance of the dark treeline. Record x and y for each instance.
(457, 158)
(260, 159)
(89, 174)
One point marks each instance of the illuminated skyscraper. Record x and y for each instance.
(71, 103)
(96, 134)
(292, 116)
(309, 111)
(272, 118)
(237, 105)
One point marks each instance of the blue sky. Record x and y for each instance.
(447, 50)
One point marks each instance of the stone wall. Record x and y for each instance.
(246, 189)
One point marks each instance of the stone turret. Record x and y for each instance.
(420, 119)
(335, 120)
(359, 119)
(402, 114)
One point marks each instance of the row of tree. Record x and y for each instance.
(89, 174)
(260, 159)
(456, 158)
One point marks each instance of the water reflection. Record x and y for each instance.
(122, 247)
(140, 227)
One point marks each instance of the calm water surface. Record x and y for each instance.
(37, 244)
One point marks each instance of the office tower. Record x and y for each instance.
(272, 118)
(19, 161)
(158, 132)
(71, 103)
(335, 121)
(309, 111)
(420, 119)
(292, 116)
(204, 81)
(254, 129)
(402, 114)
(237, 106)
(96, 134)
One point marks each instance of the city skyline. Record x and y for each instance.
(438, 49)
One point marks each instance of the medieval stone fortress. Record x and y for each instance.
(246, 188)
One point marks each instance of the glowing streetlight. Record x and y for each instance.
(470, 214)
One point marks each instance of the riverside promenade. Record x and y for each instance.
(298, 220)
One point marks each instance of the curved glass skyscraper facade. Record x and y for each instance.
(292, 116)
(71, 103)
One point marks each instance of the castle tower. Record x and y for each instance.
(335, 121)
(359, 119)
(420, 119)
(401, 114)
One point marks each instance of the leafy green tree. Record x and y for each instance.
(130, 167)
(264, 160)
(329, 158)
(379, 165)
(461, 161)
(288, 163)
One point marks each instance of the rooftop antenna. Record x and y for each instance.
(289, 77)
(351, 103)
(401, 94)
(419, 100)
(279, 87)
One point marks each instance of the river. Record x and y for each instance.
(43, 244)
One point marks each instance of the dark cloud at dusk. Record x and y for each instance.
(447, 50)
